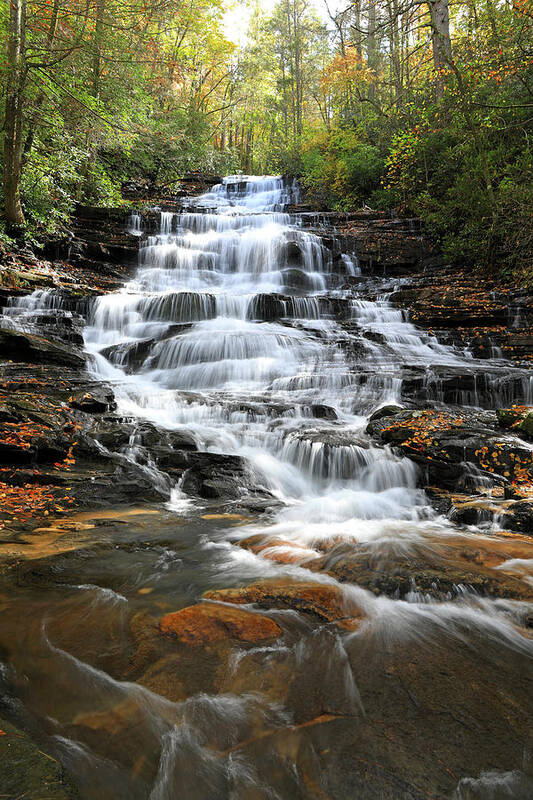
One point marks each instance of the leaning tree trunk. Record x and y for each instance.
(16, 76)
(441, 42)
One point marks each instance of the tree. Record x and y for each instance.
(13, 136)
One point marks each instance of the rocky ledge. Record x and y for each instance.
(477, 465)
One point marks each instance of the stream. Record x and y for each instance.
(229, 334)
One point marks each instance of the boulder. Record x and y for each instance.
(319, 411)
(385, 411)
(97, 401)
(213, 476)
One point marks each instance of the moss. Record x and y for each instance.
(26, 771)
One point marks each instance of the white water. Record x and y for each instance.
(229, 305)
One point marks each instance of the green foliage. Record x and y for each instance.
(341, 167)
(119, 91)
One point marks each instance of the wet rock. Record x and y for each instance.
(57, 323)
(466, 385)
(27, 771)
(495, 785)
(519, 516)
(212, 622)
(266, 308)
(297, 279)
(323, 412)
(518, 419)
(130, 356)
(18, 346)
(444, 441)
(213, 476)
(385, 411)
(447, 572)
(322, 601)
(95, 402)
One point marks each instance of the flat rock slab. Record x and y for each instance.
(212, 622)
(322, 601)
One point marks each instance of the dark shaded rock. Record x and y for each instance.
(297, 279)
(266, 308)
(519, 517)
(130, 356)
(18, 346)
(97, 401)
(215, 476)
(385, 411)
(323, 412)
(58, 323)
(294, 252)
(466, 385)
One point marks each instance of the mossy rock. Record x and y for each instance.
(518, 419)
(26, 771)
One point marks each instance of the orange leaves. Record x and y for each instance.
(345, 70)
(21, 503)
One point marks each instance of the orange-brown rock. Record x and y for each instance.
(322, 600)
(213, 622)
(280, 550)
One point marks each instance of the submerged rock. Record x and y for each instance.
(323, 601)
(213, 622)
(27, 771)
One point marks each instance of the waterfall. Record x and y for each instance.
(230, 303)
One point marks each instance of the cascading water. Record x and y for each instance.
(229, 303)
(238, 330)
(218, 304)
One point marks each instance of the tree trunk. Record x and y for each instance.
(440, 38)
(32, 121)
(16, 77)
(371, 45)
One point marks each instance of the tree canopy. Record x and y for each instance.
(418, 105)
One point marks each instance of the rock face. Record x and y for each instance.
(492, 319)
(519, 420)
(213, 622)
(444, 442)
